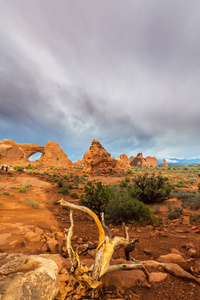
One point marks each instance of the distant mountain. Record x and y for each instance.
(177, 161)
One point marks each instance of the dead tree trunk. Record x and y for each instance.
(104, 251)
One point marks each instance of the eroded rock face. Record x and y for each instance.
(16, 153)
(10, 152)
(78, 163)
(164, 164)
(27, 277)
(54, 156)
(98, 160)
(140, 161)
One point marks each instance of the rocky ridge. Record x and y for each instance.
(140, 161)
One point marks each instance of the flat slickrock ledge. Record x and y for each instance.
(24, 277)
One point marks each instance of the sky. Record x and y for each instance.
(123, 72)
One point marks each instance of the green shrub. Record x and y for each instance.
(150, 188)
(181, 184)
(23, 189)
(156, 209)
(30, 167)
(33, 203)
(172, 215)
(59, 182)
(129, 172)
(19, 168)
(56, 202)
(74, 195)
(193, 202)
(199, 186)
(65, 189)
(169, 206)
(194, 218)
(123, 208)
(127, 179)
(66, 176)
(96, 197)
(6, 193)
(123, 183)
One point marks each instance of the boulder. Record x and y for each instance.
(177, 271)
(28, 277)
(175, 259)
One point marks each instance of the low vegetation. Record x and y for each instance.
(151, 188)
(33, 203)
(96, 197)
(123, 207)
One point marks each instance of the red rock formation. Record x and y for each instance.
(78, 163)
(54, 156)
(164, 164)
(125, 160)
(150, 162)
(15, 153)
(98, 160)
(131, 159)
(140, 161)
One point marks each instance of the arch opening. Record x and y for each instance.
(35, 156)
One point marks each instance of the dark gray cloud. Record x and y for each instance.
(124, 72)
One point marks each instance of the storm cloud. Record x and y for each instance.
(125, 73)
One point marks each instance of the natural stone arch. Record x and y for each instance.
(31, 149)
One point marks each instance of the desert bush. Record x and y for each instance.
(30, 167)
(156, 209)
(74, 195)
(127, 179)
(169, 206)
(172, 215)
(33, 203)
(59, 182)
(199, 186)
(96, 197)
(66, 176)
(23, 189)
(129, 172)
(65, 189)
(18, 168)
(123, 183)
(181, 184)
(194, 218)
(6, 193)
(123, 208)
(193, 202)
(151, 188)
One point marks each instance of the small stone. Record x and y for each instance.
(32, 237)
(192, 252)
(39, 230)
(147, 251)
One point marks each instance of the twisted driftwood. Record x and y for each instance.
(104, 251)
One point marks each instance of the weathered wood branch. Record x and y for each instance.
(105, 227)
(104, 251)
